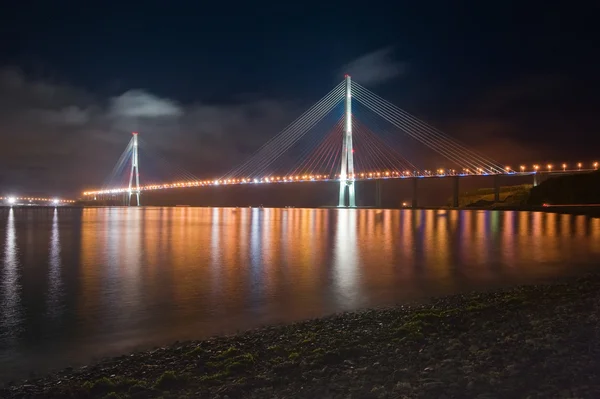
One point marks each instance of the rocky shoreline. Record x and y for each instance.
(532, 341)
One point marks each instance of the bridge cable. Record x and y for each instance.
(452, 152)
(423, 132)
(315, 163)
(273, 153)
(119, 166)
(178, 172)
(271, 150)
(382, 140)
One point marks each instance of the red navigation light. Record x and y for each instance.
(134, 133)
(346, 76)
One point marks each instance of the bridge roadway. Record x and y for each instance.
(497, 178)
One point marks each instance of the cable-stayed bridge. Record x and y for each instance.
(349, 135)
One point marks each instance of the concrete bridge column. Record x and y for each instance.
(415, 192)
(535, 180)
(455, 191)
(378, 190)
(497, 188)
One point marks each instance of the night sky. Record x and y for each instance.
(206, 83)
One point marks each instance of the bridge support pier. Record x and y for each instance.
(455, 191)
(378, 191)
(415, 192)
(535, 180)
(497, 188)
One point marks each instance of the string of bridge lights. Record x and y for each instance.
(550, 167)
(54, 201)
(523, 169)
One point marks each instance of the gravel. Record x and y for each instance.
(539, 341)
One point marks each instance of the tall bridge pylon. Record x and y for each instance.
(347, 168)
(135, 171)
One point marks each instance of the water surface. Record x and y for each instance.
(81, 284)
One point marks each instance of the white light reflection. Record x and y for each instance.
(256, 260)
(54, 273)
(10, 317)
(346, 259)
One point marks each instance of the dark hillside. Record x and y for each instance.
(566, 190)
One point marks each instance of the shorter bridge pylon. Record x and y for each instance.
(134, 189)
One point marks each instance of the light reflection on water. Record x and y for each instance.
(11, 314)
(54, 305)
(78, 284)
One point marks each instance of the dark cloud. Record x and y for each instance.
(375, 68)
(525, 92)
(526, 120)
(58, 138)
